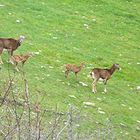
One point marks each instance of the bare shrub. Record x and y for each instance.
(23, 119)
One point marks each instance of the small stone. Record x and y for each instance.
(83, 84)
(99, 99)
(58, 61)
(51, 67)
(72, 96)
(86, 25)
(83, 17)
(1, 5)
(138, 128)
(54, 37)
(18, 21)
(99, 108)
(123, 105)
(138, 87)
(130, 108)
(89, 104)
(126, 133)
(59, 80)
(68, 84)
(122, 124)
(42, 66)
(36, 53)
(101, 112)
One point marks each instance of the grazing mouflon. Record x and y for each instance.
(16, 59)
(104, 74)
(73, 68)
(10, 44)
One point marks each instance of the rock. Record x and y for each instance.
(83, 84)
(36, 53)
(123, 105)
(130, 108)
(42, 67)
(72, 96)
(1, 5)
(101, 112)
(89, 104)
(99, 99)
(83, 17)
(50, 67)
(18, 21)
(99, 108)
(68, 84)
(126, 133)
(138, 87)
(63, 83)
(59, 80)
(138, 128)
(54, 37)
(94, 20)
(86, 25)
(122, 124)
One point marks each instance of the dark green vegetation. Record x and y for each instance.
(96, 32)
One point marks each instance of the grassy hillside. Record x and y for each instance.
(96, 32)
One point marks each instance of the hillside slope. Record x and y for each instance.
(96, 32)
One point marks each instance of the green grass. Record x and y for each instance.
(56, 29)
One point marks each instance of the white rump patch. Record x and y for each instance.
(93, 76)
